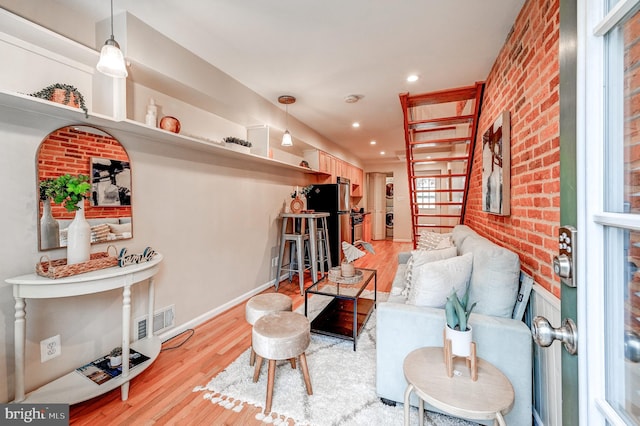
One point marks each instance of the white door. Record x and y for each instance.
(608, 162)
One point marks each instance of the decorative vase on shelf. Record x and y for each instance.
(460, 340)
(78, 238)
(170, 124)
(151, 119)
(49, 227)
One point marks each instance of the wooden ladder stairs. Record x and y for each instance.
(440, 130)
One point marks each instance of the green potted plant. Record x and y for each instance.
(458, 330)
(71, 191)
(115, 357)
(67, 190)
(237, 144)
(64, 94)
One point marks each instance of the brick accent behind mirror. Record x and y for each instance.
(524, 80)
(69, 150)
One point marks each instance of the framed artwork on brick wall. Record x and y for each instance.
(496, 167)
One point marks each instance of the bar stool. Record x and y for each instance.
(296, 242)
(281, 336)
(323, 250)
(299, 241)
(265, 304)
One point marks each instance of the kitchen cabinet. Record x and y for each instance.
(333, 168)
(366, 227)
(357, 177)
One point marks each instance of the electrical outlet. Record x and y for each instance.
(50, 348)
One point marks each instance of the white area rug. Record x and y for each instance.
(343, 383)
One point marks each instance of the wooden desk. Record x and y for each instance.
(488, 398)
(73, 387)
(311, 223)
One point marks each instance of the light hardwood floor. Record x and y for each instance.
(162, 394)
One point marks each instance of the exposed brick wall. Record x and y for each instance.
(69, 151)
(632, 158)
(524, 80)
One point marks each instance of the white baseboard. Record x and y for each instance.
(402, 240)
(216, 311)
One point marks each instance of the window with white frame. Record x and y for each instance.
(425, 193)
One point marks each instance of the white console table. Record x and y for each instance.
(74, 387)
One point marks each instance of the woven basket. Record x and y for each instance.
(59, 269)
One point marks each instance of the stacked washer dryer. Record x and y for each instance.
(389, 207)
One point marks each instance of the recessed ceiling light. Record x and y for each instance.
(382, 152)
(351, 99)
(356, 124)
(412, 78)
(372, 142)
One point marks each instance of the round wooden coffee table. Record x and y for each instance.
(490, 397)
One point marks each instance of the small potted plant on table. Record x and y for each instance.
(458, 329)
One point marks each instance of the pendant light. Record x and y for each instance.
(111, 60)
(286, 100)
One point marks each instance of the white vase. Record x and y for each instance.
(49, 227)
(460, 341)
(347, 269)
(78, 238)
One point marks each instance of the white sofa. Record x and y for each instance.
(503, 341)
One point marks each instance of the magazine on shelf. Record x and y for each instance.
(100, 371)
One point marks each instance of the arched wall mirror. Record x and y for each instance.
(92, 152)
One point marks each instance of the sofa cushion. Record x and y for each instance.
(444, 243)
(495, 276)
(460, 233)
(435, 280)
(419, 258)
(429, 240)
(399, 281)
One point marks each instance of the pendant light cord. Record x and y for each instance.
(112, 19)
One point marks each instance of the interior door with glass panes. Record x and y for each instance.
(609, 211)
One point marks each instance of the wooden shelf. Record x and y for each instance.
(74, 387)
(13, 105)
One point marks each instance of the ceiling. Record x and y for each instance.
(322, 51)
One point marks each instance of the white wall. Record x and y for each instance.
(214, 221)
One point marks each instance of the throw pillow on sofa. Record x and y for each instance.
(429, 240)
(419, 258)
(495, 280)
(435, 280)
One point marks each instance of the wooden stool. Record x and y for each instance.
(264, 304)
(281, 336)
